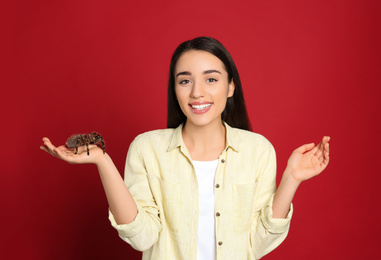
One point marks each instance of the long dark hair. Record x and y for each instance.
(235, 113)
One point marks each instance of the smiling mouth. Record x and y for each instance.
(200, 107)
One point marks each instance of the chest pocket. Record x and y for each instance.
(168, 199)
(244, 196)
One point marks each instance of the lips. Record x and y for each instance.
(200, 107)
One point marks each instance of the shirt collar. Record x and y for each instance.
(177, 138)
(232, 138)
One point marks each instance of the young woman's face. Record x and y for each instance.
(202, 87)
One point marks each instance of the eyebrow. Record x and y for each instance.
(205, 72)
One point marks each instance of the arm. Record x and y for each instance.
(271, 221)
(137, 222)
(121, 203)
(304, 163)
(143, 232)
(266, 231)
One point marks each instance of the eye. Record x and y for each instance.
(183, 82)
(211, 80)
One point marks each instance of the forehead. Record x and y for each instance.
(195, 61)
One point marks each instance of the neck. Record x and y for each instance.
(205, 143)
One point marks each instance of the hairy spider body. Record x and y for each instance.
(85, 139)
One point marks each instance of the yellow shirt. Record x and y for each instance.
(160, 176)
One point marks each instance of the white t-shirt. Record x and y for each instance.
(206, 246)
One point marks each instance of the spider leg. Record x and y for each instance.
(83, 140)
(87, 143)
(103, 146)
(77, 144)
(98, 141)
(93, 139)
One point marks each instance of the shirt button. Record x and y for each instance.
(218, 214)
(222, 160)
(220, 243)
(217, 185)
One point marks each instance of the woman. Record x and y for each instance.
(205, 187)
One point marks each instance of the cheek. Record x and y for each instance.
(180, 94)
(221, 93)
(177, 94)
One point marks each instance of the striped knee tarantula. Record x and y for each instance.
(84, 139)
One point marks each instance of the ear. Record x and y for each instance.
(231, 89)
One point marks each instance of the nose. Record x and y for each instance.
(198, 90)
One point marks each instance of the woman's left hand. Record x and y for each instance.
(308, 160)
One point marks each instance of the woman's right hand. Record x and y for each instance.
(122, 204)
(68, 154)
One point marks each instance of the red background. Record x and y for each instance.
(308, 68)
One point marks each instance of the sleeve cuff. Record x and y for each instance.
(275, 225)
(131, 229)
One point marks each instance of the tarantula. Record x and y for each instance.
(84, 139)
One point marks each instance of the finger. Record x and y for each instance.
(48, 147)
(48, 144)
(64, 156)
(326, 147)
(320, 150)
(68, 155)
(316, 149)
(305, 148)
(44, 148)
(326, 151)
(326, 158)
(65, 148)
(319, 154)
(325, 161)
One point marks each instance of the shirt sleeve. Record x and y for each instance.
(143, 231)
(267, 232)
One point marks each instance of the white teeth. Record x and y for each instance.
(199, 107)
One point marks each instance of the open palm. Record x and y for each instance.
(68, 154)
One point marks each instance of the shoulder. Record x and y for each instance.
(152, 144)
(154, 136)
(251, 136)
(250, 140)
